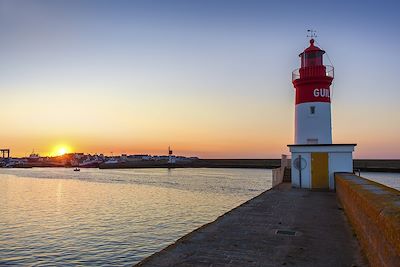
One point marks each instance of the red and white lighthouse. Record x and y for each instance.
(313, 102)
(314, 158)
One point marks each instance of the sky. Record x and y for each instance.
(209, 78)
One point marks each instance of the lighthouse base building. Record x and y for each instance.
(314, 166)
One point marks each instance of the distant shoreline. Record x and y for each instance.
(359, 164)
(371, 165)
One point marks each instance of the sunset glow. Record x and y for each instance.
(61, 150)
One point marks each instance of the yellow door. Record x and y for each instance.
(319, 170)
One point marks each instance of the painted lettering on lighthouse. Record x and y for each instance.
(321, 92)
(308, 93)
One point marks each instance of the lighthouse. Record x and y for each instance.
(315, 159)
(313, 102)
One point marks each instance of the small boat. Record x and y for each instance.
(77, 170)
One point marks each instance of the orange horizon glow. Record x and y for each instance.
(252, 149)
(212, 132)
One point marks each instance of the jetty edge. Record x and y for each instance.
(281, 226)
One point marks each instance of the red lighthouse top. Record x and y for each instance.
(312, 56)
(312, 47)
(312, 64)
(313, 79)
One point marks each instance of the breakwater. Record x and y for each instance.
(360, 164)
(298, 227)
(374, 212)
(377, 165)
(282, 226)
(200, 163)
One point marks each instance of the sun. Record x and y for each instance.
(61, 150)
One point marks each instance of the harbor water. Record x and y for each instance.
(55, 216)
(386, 178)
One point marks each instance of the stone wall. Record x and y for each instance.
(374, 212)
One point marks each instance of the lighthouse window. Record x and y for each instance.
(311, 55)
(312, 141)
(315, 54)
(312, 110)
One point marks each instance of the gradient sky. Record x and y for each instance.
(210, 78)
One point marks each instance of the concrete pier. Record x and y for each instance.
(280, 227)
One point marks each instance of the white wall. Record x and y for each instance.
(317, 126)
(339, 162)
(305, 174)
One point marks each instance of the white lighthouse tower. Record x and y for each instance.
(314, 158)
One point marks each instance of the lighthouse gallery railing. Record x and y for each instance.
(313, 71)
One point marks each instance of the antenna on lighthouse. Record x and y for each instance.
(312, 33)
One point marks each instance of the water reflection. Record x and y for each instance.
(113, 217)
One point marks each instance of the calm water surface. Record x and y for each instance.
(386, 178)
(55, 216)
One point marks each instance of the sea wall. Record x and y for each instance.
(200, 163)
(377, 165)
(374, 212)
(279, 174)
(363, 165)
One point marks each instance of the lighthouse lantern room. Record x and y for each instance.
(314, 158)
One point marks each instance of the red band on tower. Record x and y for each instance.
(311, 94)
